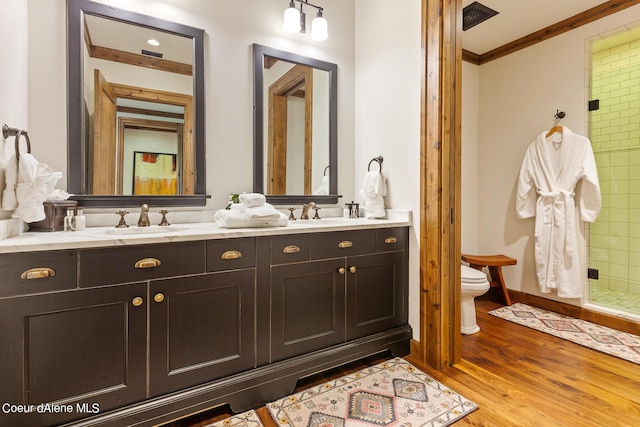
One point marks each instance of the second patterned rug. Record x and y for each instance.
(621, 344)
(390, 393)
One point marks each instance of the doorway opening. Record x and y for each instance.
(614, 239)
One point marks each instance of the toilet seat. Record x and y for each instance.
(471, 276)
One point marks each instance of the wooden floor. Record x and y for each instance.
(518, 377)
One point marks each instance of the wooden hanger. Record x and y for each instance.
(553, 130)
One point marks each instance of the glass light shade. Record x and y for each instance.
(291, 20)
(319, 28)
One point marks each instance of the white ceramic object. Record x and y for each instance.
(473, 284)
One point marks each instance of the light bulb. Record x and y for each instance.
(291, 19)
(319, 28)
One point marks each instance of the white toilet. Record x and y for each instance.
(473, 283)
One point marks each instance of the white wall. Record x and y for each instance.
(469, 191)
(519, 94)
(387, 112)
(231, 29)
(13, 78)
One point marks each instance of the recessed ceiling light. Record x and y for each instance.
(153, 42)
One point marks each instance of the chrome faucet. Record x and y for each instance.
(305, 210)
(143, 221)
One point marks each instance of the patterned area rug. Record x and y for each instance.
(246, 419)
(392, 393)
(621, 344)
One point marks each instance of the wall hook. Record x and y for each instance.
(559, 114)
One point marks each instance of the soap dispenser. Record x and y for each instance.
(79, 221)
(68, 220)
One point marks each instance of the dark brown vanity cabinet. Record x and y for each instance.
(328, 288)
(202, 327)
(144, 334)
(67, 354)
(139, 322)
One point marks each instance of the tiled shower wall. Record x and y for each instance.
(615, 135)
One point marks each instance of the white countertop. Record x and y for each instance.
(94, 237)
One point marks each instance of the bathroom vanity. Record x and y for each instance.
(142, 328)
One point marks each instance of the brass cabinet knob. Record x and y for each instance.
(137, 301)
(38, 273)
(291, 249)
(159, 297)
(352, 269)
(341, 270)
(148, 263)
(345, 244)
(390, 240)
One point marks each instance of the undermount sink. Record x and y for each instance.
(153, 229)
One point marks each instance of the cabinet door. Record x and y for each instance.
(376, 299)
(84, 351)
(307, 301)
(201, 328)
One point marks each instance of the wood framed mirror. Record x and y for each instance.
(295, 127)
(110, 84)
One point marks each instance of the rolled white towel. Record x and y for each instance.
(251, 200)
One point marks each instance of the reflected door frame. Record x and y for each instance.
(298, 81)
(162, 97)
(125, 123)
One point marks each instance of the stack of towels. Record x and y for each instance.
(374, 188)
(252, 211)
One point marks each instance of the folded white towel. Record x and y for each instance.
(324, 187)
(265, 212)
(251, 200)
(237, 219)
(374, 188)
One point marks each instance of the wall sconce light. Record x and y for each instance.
(295, 20)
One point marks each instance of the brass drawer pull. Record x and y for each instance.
(341, 270)
(345, 244)
(231, 255)
(291, 249)
(137, 301)
(38, 273)
(352, 269)
(390, 240)
(159, 297)
(148, 263)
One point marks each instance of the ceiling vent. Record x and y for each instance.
(474, 14)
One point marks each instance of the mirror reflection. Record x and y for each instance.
(141, 104)
(295, 132)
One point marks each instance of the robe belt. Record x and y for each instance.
(556, 206)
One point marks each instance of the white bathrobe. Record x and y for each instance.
(546, 189)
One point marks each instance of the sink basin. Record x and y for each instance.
(153, 229)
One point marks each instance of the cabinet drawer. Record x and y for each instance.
(124, 264)
(36, 272)
(390, 239)
(292, 248)
(231, 254)
(343, 243)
